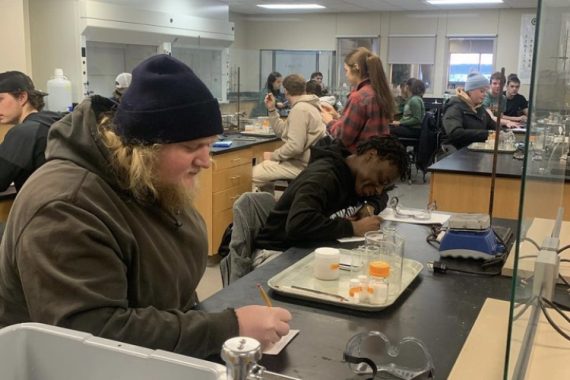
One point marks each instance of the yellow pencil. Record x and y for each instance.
(264, 296)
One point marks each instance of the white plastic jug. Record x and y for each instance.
(59, 92)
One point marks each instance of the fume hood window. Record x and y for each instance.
(105, 60)
(207, 64)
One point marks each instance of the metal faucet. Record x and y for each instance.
(241, 355)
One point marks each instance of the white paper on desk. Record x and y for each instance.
(280, 345)
(436, 217)
(350, 239)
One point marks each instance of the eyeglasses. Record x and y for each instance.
(408, 360)
(405, 213)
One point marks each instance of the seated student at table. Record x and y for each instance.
(314, 88)
(465, 120)
(272, 86)
(302, 129)
(317, 76)
(104, 238)
(491, 101)
(410, 124)
(312, 208)
(23, 148)
(517, 105)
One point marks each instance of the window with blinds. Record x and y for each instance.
(411, 57)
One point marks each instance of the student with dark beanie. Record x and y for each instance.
(112, 244)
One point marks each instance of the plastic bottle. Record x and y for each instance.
(378, 287)
(326, 264)
(59, 92)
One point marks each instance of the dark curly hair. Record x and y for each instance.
(388, 148)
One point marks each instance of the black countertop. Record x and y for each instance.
(465, 161)
(241, 142)
(438, 309)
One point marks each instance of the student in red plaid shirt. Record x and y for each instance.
(369, 108)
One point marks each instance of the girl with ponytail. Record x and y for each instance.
(370, 107)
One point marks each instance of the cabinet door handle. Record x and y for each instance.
(235, 177)
(236, 159)
(234, 197)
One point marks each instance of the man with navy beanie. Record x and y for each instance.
(104, 237)
(464, 119)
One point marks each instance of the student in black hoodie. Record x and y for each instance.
(311, 209)
(22, 151)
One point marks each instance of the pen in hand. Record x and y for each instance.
(264, 296)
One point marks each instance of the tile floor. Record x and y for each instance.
(414, 195)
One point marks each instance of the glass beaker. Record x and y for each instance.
(358, 261)
(379, 249)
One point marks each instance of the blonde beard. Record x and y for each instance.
(176, 197)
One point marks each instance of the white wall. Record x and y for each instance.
(15, 41)
(56, 28)
(319, 32)
(55, 42)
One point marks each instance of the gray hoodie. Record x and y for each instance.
(302, 129)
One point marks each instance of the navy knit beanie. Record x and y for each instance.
(166, 103)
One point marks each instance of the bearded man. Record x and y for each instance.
(103, 238)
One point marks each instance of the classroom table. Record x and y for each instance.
(438, 309)
(461, 182)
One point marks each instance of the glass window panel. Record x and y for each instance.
(535, 349)
(344, 46)
(266, 68)
(105, 60)
(206, 64)
(425, 74)
(296, 62)
(400, 73)
(467, 55)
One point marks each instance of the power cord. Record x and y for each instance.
(442, 268)
(558, 329)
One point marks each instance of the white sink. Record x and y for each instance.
(34, 351)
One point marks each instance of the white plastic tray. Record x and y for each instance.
(300, 274)
(34, 351)
(484, 147)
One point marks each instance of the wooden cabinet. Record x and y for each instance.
(220, 186)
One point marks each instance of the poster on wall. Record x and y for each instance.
(526, 46)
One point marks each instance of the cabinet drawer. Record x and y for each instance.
(232, 159)
(224, 200)
(232, 177)
(221, 221)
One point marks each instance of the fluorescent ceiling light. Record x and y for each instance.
(454, 2)
(290, 6)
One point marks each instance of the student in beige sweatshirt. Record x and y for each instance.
(302, 129)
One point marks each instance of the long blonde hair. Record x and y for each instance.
(369, 66)
(134, 165)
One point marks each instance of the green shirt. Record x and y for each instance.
(414, 112)
(490, 102)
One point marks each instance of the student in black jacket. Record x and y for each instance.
(22, 150)
(465, 120)
(313, 208)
